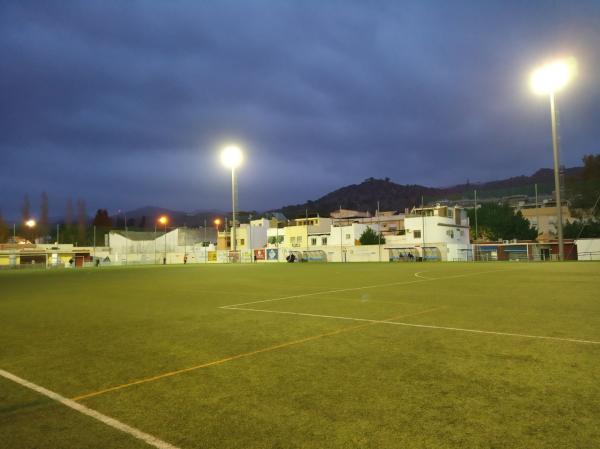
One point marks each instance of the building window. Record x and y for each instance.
(417, 234)
(323, 241)
(347, 236)
(450, 233)
(450, 213)
(401, 232)
(292, 240)
(242, 241)
(313, 241)
(299, 239)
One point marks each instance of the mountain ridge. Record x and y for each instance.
(393, 196)
(365, 195)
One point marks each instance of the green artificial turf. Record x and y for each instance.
(365, 385)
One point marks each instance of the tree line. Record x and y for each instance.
(75, 227)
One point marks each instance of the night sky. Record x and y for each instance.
(127, 103)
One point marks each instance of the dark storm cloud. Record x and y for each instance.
(127, 103)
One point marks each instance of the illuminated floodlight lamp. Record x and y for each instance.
(232, 156)
(553, 76)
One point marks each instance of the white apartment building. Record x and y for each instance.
(436, 232)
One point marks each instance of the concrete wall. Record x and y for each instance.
(349, 235)
(588, 249)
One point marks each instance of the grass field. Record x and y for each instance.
(304, 356)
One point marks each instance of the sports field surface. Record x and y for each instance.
(414, 355)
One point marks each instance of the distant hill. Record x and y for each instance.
(145, 217)
(364, 197)
(392, 196)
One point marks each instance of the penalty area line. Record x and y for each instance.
(107, 420)
(424, 326)
(365, 287)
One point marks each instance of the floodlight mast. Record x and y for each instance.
(232, 157)
(547, 80)
(163, 220)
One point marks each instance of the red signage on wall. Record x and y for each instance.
(259, 254)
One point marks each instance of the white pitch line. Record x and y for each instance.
(425, 326)
(419, 273)
(111, 422)
(341, 290)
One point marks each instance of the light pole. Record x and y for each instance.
(547, 80)
(250, 238)
(217, 222)
(475, 199)
(31, 224)
(232, 157)
(378, 234)
(163, 220)
(126, 233)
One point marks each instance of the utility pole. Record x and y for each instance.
(423, 225)
(204, 243)
(165, 237)
(126, 238)
(307, 230)
(341, 245)
(233, 211)
(250, 238)
(277, 239)
(537, 212)
(226, 235)
(378, 233)
(476, 234)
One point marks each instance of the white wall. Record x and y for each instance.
(588, 249)
(348, 234)
(255, 234)
(459, 252)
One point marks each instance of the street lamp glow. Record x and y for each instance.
(232, 156)
(552, 77)
(163, 220)
(30, 223)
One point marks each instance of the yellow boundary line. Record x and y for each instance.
(245, 354)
